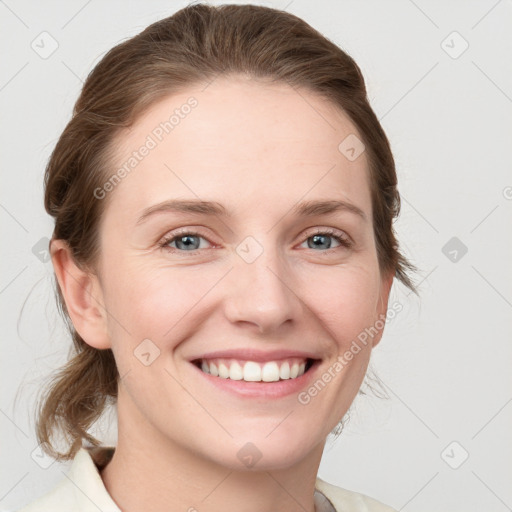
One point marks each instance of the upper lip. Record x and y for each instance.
(256, 355)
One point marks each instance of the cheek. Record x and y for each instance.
(155, 302)
(166, 303)
(345, 300)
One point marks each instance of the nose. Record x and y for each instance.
(262, 294)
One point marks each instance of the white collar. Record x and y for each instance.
(82, 490)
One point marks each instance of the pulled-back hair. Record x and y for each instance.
(195, 45)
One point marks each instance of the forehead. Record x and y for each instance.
(237, 139)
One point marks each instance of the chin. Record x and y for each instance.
(265, 452)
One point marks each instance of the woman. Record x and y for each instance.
(224, 251)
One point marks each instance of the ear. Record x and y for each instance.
(83, 296)
(382, 308)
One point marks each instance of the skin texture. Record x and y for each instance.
(258, 149)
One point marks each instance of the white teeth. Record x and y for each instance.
(284, 372)
(270, 372)
(235, 372)
(223, 371)
(252, 371)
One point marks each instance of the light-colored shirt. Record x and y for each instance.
(83, 490)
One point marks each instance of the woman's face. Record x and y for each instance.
(256, 283)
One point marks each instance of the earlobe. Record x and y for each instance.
(83, 296)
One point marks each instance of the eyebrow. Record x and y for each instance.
(304, 209)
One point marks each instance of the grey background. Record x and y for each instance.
(445, 359)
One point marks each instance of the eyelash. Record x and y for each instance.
(344, 241)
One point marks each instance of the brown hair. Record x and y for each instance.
(193, 46)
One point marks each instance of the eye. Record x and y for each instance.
(186, 241)
(190, 241)
(320, 239)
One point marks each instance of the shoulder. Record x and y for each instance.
(349, 501)
(81, 489)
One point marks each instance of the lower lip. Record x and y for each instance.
(268, 390)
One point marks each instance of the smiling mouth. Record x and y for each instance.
(252, 371)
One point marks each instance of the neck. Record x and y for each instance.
(154, 473)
